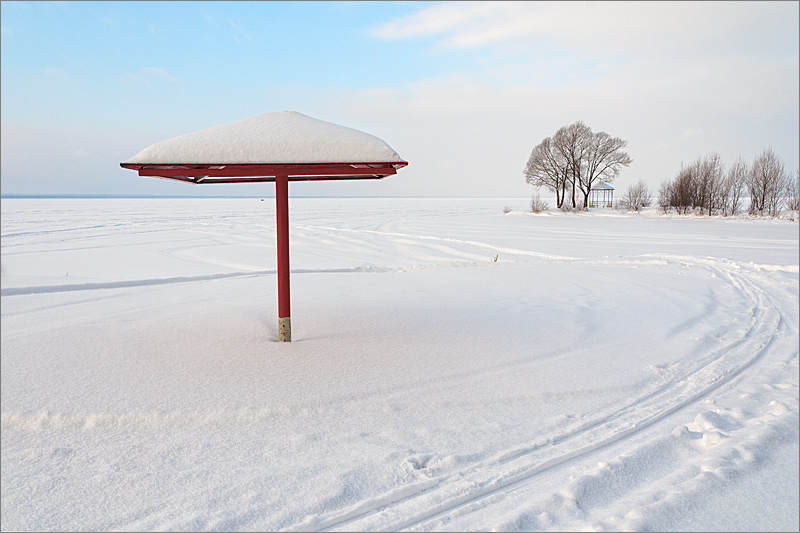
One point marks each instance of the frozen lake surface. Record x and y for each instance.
(609, 371)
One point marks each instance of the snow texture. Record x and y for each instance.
(609, 371)
(281, 137)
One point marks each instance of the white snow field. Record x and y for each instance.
(609, 371)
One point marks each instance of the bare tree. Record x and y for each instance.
(665, 193)
(683, 191)
(708, 182)
(766, 183)
(636, 197)
(734, 187)
(701, 184)
(573, 142)
(793, 192)
(548, 168)
(603, 157)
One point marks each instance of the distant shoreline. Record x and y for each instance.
(134, 196)
(108, 196)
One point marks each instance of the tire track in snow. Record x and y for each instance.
(414, 505)
(44, 289)
(479, 244)
(123, 284)
(426, 499)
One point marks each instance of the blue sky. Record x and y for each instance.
(462, 90)
(100, 64)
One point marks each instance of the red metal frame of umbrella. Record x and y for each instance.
(281, 174)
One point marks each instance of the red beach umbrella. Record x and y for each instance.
(281, 147)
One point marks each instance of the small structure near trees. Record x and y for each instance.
(601, 195)
(273, 147)
(573, 160)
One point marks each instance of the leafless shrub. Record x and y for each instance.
(507, 210)
(537, 204)
(636, 197)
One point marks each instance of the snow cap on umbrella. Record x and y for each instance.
(281, 137)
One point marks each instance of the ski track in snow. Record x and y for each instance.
(434, 502)
(411, 507)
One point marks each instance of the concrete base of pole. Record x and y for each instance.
(285, 329)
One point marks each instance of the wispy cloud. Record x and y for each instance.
(161, 73)
(55, 72)
(596, 27)
(129, 78)
(147, 76)
(231, 27)
(105, 18)
(239, 34)
(439, 20)
(210, 18)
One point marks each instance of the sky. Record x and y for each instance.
(463, 91)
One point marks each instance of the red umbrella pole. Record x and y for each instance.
(282, 211)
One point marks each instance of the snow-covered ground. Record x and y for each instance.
(609, 371)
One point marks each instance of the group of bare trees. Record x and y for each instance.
(572, 160)
(575, 158)
(704, 186)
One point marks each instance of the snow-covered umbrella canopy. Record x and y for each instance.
(258, 148)
(280, 147)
